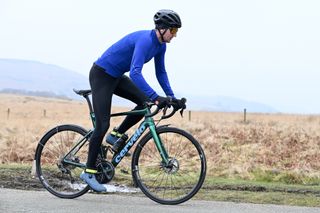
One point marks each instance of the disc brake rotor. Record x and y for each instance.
(172, 167)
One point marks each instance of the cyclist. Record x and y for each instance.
(107, 77)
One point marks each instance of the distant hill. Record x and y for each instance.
(227, 104)
(39, 79)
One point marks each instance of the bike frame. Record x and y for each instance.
(147, 123)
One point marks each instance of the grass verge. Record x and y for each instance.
(236, 190)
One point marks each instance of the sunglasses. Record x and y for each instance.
(173, 31)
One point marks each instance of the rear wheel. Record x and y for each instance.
(58, 177)
(181, 178)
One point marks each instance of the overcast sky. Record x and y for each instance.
(266, 51)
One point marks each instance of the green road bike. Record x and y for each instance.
(168, 164)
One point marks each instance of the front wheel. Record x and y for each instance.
(181, 178)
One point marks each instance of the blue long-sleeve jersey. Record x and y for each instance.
(130, 53)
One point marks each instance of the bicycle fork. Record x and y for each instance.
(160, 147)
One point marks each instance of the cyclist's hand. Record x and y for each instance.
(162, 101)
(179, 104)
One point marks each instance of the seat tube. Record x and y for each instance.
(158, 142)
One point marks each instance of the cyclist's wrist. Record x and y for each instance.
(154, 97)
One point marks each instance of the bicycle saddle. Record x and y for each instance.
(83, 92)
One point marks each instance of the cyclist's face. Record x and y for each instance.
(170, 33)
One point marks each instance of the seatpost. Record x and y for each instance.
(89, 103)
(92, 116)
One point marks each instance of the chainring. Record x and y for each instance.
(105, 172)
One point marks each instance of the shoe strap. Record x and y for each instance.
(91, 171)
(117, 134)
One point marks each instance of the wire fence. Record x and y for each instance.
(44, 114)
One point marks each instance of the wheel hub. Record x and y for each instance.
(172, 167)
(66, 167)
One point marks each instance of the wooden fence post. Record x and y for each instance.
(44, 113)
(8, 113)
(34, 169)
(189, 115)
(245, 115)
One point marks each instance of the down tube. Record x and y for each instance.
(133, 139)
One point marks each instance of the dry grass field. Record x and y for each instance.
(269, 147)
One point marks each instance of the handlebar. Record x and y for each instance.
(170, 104)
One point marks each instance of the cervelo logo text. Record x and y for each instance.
(133, 139)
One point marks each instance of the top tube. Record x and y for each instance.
(144, 111)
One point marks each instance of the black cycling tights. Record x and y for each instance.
(103, 86)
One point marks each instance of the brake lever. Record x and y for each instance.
(165, 111)
(181, 112)
(183, 100)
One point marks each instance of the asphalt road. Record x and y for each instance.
(42, 201)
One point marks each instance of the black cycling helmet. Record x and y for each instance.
(165, 19)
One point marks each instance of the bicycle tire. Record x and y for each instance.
(188, 166)
(59, 179)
